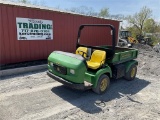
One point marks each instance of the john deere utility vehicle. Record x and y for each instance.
(93, 71)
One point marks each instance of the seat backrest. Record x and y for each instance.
(98, 56)
(79, 49)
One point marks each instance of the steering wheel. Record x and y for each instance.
(79, 52)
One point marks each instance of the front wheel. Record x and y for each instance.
(102, 85)
(131, 74)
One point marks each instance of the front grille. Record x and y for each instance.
(60, 69)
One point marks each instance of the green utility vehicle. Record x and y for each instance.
(92, 67)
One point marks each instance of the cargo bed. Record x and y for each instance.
(121, 54)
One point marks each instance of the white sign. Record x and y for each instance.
(34, 29)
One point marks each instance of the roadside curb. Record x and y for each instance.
(22, 70)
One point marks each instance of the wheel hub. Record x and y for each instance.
(133, 72)
(103, 85)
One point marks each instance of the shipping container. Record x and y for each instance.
(29, 32)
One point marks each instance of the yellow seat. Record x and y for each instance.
(97, 59)
(82, 51)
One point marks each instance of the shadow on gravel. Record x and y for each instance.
(92, 103)
(21, 75)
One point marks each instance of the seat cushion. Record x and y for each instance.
(93, 65)
(98, 56)
(97, 59)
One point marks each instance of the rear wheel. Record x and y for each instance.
(130, 75)
(102, 85)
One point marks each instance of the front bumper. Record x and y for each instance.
(68, 83)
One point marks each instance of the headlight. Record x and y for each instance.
(72, 71)
(50, 63)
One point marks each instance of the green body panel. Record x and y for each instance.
(122, 56)
(129, 64)
(93, 77)
(70, 63)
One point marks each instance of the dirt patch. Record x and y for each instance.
(149, 60)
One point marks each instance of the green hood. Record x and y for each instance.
(69, 61)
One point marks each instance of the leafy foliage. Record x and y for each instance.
(34, 2)
(150, 26)
(89, 11)
(138, 19)
(104, 12)
(84, 10)
(24, 1)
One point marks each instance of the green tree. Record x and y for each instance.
(133, 31)
(33, 2)
(84, 10)
(104, 12)
(117, 17)
(138, 19)
(158, 27)
(24, 1)
(150, 26)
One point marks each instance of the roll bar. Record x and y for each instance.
(97, 25)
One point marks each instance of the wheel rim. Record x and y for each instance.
(103, 85)
(133, 72)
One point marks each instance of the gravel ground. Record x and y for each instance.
(35, 96)
(149, 60)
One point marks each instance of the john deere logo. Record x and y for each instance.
(123, 56)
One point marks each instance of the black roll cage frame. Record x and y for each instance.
(110, 50)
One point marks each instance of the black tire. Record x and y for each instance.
(131, 74)
(99, 89)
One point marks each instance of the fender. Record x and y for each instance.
(129, 64)
(100, 72)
